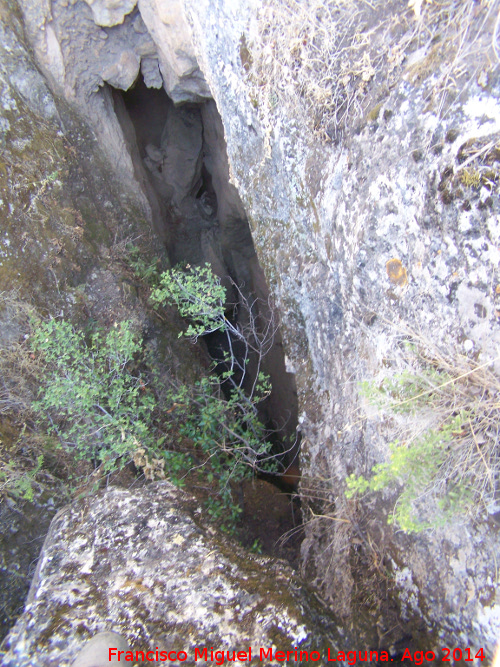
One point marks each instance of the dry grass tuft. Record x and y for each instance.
(331, 61)
(20, 370)
(446, 410)
(472, 389)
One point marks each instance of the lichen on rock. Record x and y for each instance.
(370, 178)
(335, 194)
(140, 562)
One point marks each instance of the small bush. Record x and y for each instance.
(19, 483)
(448, 462)
(93, 397)
(225, 429)
(230, 440)
(198, 295)
(147, 271)
(96, 399)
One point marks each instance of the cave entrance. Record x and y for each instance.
(180, 158)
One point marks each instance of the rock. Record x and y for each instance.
(139, 562)
(181, 142)
(23, 527)
(329, 206)
(182, 77)
(150, 69)
(123, 72)
(23, 77)
(80, 47)
(110, 12)
(230, 210)
(155, 154)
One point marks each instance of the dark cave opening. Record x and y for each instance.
(180, 159)
(147, 108)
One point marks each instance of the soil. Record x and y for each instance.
(271, 521)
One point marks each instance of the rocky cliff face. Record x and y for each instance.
(362, 147)
(371, 232)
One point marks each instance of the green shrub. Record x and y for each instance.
(228, 436)
(198, 295)
(19, 483)
(93, 397)
(417, 467)
(146, 271)
(97, 401)
(451, 467)
(226, 430)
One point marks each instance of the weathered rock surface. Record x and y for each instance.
(18, 72)
(80, 46)
(171, 33)
(110, 12)
(326, 218)
(65, 226)
(138, 562)
(396, 181)
(23, 527)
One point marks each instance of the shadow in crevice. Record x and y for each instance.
(180, 159)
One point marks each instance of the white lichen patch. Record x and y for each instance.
(136, 562)
(408, 591)
(486, 109)
(488, 622)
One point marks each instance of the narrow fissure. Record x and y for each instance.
(180, 159)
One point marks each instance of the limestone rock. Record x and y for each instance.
(138, 562)
(327, 213)
(182, 142)
(81, 46)
(165, 21)
(150, 69)
(20, 73)
(23, 526)
(123, 72)
(110, 12)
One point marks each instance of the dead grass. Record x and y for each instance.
(473, 389)
(331, 62)
(434, 395)
(20, 370)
